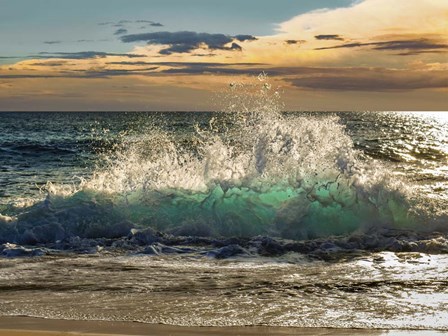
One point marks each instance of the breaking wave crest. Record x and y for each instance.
(251, 171)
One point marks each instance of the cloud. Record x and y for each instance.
(104, 73)
(120, 23)
(130, 63)
(210, 54)
(212, 70)
(50, 63)
(369, 79)
(294, 41)
(186, 41)
(246, 37)
(337, 79)
(150, 23)
(421, 44)
(412, 46)
(18, 76)
(121, 31)
(94, 73)
(363, 22)
(52, 42)
(198, 68)
(81, 55)
(235, 46)
(370, 18)
(329, 37)
(174, 64)
(419, 52)
(123, 23)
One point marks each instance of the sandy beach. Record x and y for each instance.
(26, 326)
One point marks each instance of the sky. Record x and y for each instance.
(157, 55)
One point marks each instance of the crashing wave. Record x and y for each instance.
(251, 171)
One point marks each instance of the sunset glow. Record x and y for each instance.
(367, 55)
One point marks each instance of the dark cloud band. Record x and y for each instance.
(368, 79)
(291, 42)
(122, 23)
(186, 41)
(329, 37)
(411, 46)
(150, 23)
(121, 31)
(187, 64)
(81, 55)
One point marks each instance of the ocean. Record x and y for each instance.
(246, 216)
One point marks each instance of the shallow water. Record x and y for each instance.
(379, 290)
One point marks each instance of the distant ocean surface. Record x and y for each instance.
(248, 216)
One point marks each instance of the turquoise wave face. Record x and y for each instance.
(325, 208)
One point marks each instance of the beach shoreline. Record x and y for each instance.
(30, 326)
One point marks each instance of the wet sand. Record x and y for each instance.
(26, 326)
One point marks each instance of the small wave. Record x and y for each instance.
(35, 149)
(122, 238)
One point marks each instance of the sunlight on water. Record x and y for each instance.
(380, 290)
(439, 116)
